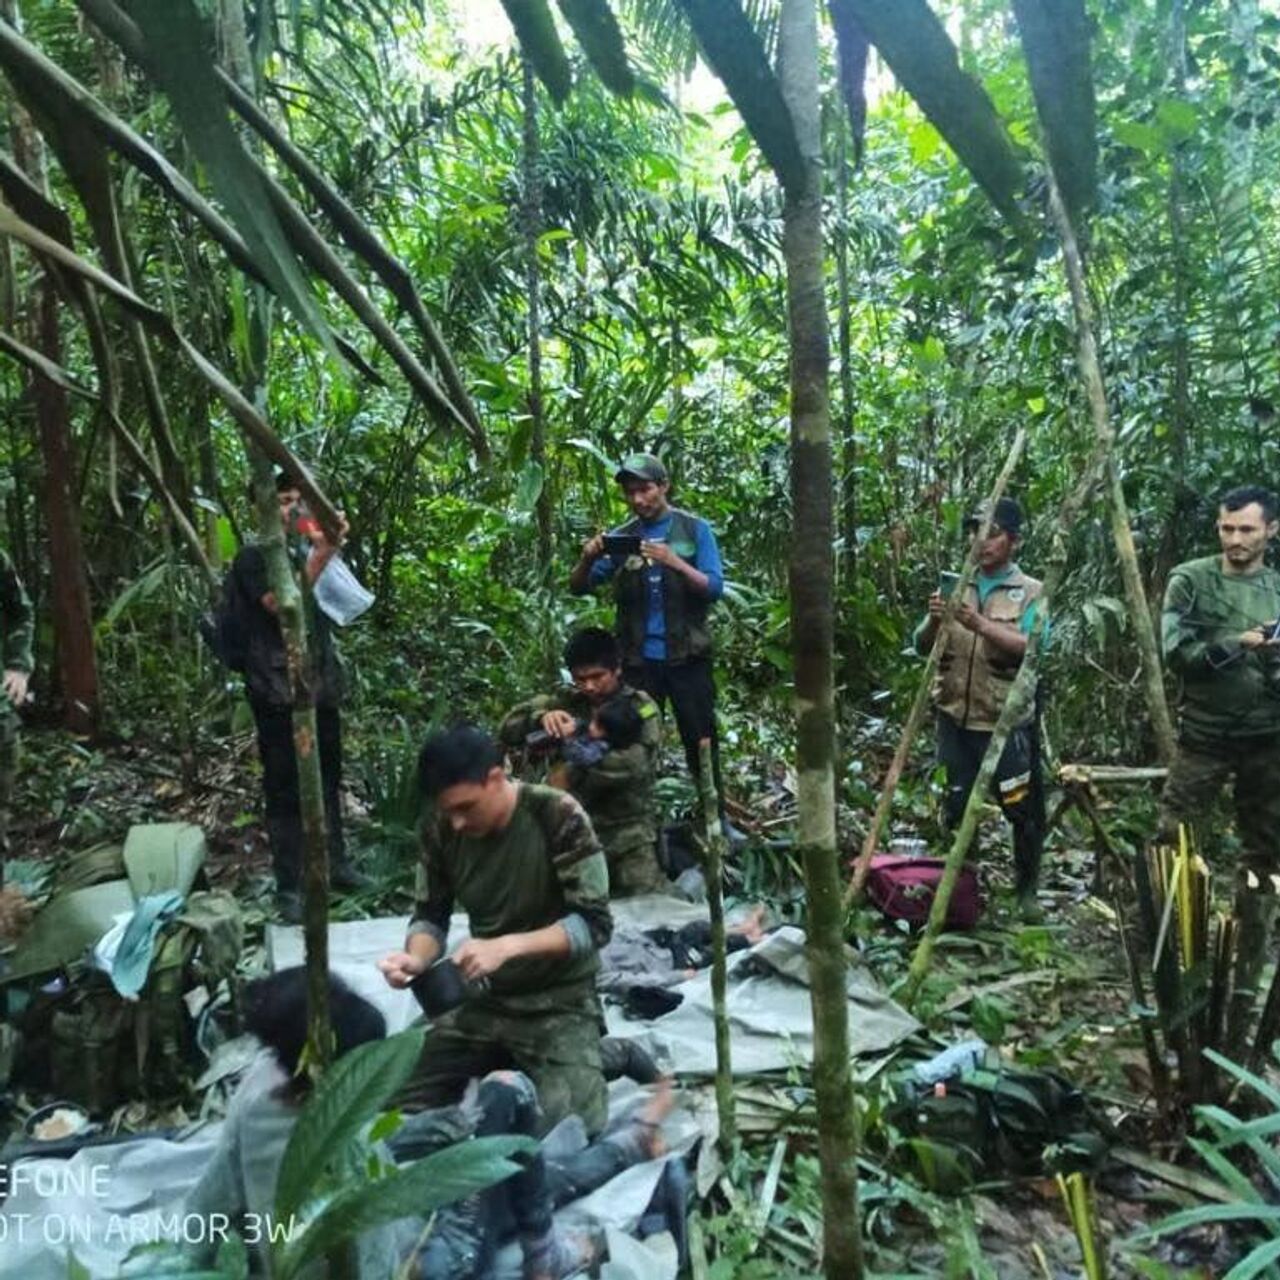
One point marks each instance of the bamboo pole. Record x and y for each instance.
(714, 867)
(1121, 530)
(1014, 711)
(921, 704)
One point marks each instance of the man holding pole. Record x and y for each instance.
(980, 652)
(1218, 631)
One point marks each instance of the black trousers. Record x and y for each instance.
(690, 688)
(1017, 786)
(280, 787)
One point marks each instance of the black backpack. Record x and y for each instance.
(225, 628)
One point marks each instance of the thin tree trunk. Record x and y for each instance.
(1121, 530)
(921, 704)
(69, 602)
(531, 222)
(812, 629)
(1179, 402)
(714, 844)
(848, 445)
(1014, 711)
(293, 631)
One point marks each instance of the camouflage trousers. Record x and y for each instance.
(8, 772)
(558, 1049)
(633, 863)
(1197, 777)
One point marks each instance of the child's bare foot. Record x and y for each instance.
(751, 926)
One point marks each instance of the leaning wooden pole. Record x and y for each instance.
(921, 704)
(1121, 530)
(1014, 712)
(714, 843)
(812, 583)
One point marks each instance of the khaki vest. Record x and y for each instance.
(974, 677)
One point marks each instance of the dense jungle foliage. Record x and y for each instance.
(640, 238)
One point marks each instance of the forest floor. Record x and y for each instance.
(1051, 996)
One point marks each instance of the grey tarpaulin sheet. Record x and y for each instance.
(142, 1180)
(769, 1012)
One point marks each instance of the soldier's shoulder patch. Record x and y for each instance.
(647, 707)
(1017, 595)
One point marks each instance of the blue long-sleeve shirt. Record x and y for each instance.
(706, 559)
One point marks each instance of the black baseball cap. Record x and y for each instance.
(641, 466)
(1006, 518)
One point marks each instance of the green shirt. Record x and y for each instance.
(545, 867)
(1224, 687)
(617, 793)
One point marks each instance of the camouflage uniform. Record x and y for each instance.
(617, 793)
(539, 1015)
(16, 626)
(1228, 704)
(1228, 729)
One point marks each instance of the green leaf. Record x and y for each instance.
(601, 40)
(176, 38)
(1255, 1263)
(1177, 119)
(1055, 39)
(1139, 136)
(414, 1191)
(350, 1094)
(924, 141)
(528, 487)
(226, 539)
(540, 43)
(734, 51)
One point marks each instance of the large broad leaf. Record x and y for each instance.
(732, 47)
(1055, 38)
(540, 43)
(351, 1093)
(416, 1191)
(853, 46)
(600, 36)
(177, 43)
(920, 53)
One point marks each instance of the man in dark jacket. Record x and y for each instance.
(266, 678)
(664, 593)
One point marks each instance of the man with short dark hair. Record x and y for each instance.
(980, 653)
(16, 631)
(525, 865)
(266, 678)
(618, 792)
(1218, 630)
(664, 593)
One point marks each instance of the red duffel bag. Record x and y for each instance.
(903, 888)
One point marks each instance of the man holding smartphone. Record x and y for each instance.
(664, 590)
(1218, 630)
(980, 652)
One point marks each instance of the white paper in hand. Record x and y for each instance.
(340, 594)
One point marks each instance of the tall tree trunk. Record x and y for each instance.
(234, 44)
(848, 445)
(812, 627)
(1183, 505)
(531, 220)
(69, 598)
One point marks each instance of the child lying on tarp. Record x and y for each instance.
(464, 1239)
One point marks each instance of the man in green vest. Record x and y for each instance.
(16, 628)
(617, 793)
(664, 591)
(980, 652)
(1218, 633)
